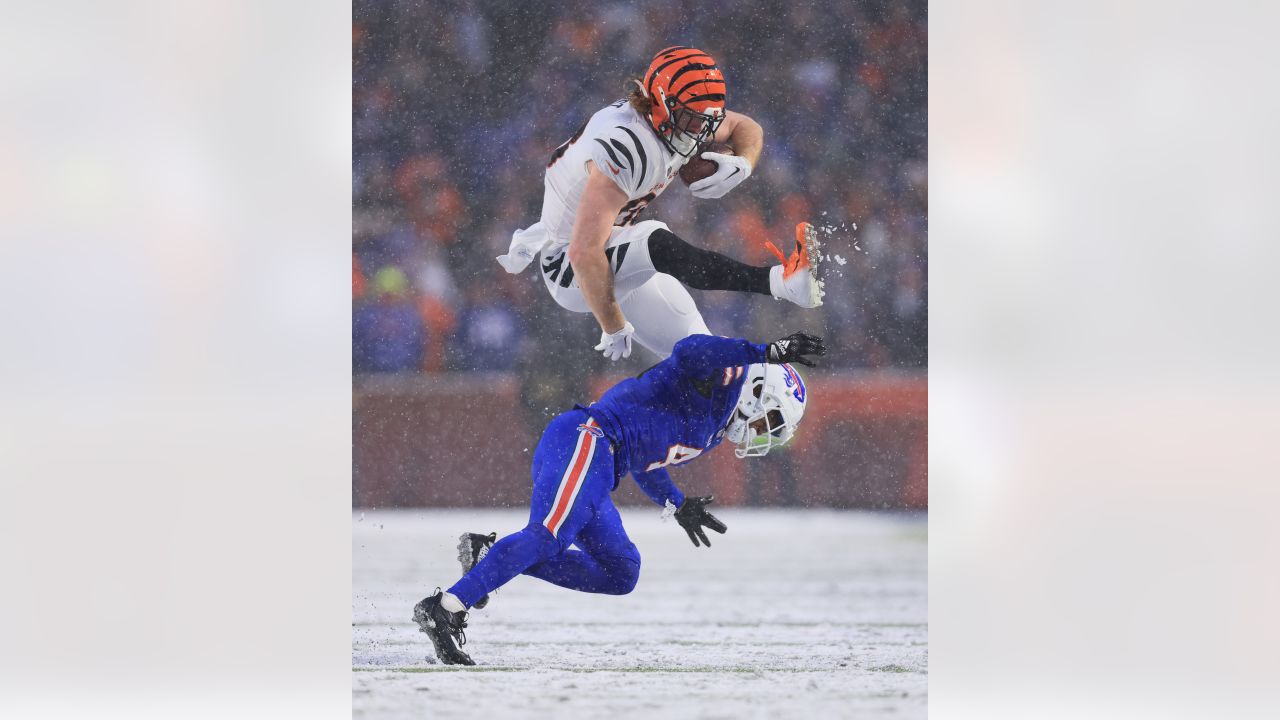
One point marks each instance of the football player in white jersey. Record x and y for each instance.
(596, 258)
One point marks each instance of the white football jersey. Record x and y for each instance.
(625, 148)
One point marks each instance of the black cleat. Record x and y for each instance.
(444, 628)
(471, 548)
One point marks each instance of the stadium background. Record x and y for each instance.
(458, 365)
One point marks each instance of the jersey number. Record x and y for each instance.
(676, 454)
(564, 146)
(628, 214)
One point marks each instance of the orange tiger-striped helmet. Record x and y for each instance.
(686, 92)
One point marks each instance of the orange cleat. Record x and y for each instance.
(796, 279)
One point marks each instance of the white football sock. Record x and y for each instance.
(450, 602)
(775, 282)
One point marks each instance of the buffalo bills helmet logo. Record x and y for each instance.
(794, 382)
(591, 429)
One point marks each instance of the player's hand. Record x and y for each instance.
(693, 516)
(794, 347)
(732, 170)
(617, 345)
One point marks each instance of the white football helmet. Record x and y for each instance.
(769, 409)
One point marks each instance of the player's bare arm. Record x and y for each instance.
(744, 134)
(747, 139)
(601, 202)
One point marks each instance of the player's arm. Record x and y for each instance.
(747, 138)
(690, 512)
(657, 484)
(600, 204)
(744, 134)
(699, 355)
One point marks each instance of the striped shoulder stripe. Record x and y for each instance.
(609, 150)
(631, 161)
(644, 158)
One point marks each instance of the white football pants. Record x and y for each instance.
(659, 307)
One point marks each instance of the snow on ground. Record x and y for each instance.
(793, 613)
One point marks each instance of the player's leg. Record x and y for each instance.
(647, 249)
(663, 314)
(703, 269)
(572, 468)
(795, 279)
(638, 252)
(608, 562)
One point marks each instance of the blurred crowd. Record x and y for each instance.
(458, 104)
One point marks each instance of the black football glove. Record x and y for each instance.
(793, 348)
(692, 516)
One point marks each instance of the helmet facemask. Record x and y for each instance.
(686, 129)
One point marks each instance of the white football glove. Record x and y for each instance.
(732, 170)
(617, 345)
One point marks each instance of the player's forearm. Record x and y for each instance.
(699, 354)
(747, 140)
(595, 278)
(659, 487)
(600, 203)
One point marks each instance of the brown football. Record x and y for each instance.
(697, 168)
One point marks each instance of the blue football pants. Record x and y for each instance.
(572, 481)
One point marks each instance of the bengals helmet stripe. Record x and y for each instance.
(691, 83)
(701, 98)
(690, 66)
(654, 71)
(669, 56)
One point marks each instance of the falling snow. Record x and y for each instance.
(458, 365)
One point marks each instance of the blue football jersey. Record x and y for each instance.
(675, 410)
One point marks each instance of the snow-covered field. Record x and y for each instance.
(793, 613)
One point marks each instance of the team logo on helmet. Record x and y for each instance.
(794, 382)
(591, 429)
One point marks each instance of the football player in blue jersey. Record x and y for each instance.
(710, 388)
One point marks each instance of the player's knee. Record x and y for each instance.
(628, 576)
(625, 572)
(665, 250)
